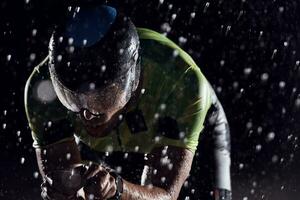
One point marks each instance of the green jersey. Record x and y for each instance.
(170, 110)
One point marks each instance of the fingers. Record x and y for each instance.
(100, 185)
(91, 170)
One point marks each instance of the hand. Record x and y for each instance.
(63, 184)
(99, 184)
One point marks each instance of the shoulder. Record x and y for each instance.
(44, 112)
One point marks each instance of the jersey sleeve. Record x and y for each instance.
(47, 118)
(184, 110)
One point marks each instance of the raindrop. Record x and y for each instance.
(264, 77)
(119, 169)
(35, 174)
(281, 9)
(8, 57)
(163, 106)
(4, 125)
(206, 7)
(260, 35)
(274, 53)
(297, 102)
(241, 166)
(34, 32)
(68, 156)
(258, 148)
(270, 136)
(70, 41)
(173, 17)
(222, 63)
(247, 70)
(166, 27)
(45, 91)
(275, 158)
(49, 124)
(92, 86)
(175, 53)
(125, 155)
(18, 133)
(103, 68)
(32, 56)
(22, 160)
(281, 84)
(59, 58)
(193, 15)
(228, 29)
(143, 91)
(182, 40)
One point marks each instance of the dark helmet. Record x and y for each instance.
(95, 53)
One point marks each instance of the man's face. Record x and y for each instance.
(101, 109)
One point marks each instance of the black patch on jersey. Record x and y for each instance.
(57, 130)
(136, 121)
(168, 127)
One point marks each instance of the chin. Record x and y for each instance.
(98, 131)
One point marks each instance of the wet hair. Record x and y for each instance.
(95, 45)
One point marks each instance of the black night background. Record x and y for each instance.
(248, 49)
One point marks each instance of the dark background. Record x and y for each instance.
(249, 50)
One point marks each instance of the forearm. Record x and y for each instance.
(58, 156)
(138, 192)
